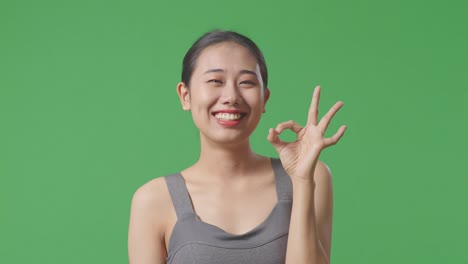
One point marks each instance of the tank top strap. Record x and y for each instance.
(283, 180)
(179, 194)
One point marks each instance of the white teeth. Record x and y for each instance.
(226, 116)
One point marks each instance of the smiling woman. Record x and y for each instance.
(226, 80)
(234, 205)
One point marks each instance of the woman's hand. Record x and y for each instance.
(300, 157)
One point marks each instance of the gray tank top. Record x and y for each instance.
(196, 242)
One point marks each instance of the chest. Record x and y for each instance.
(236, 213)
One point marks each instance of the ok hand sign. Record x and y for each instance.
(300, 157)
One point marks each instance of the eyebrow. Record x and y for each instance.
(241, 72)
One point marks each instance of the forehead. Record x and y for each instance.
(228, 56)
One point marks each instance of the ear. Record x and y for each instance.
(184, 95)
(266, 95)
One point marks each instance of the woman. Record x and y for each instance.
(234, 205)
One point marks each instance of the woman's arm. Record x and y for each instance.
(310, 230)
(310, 226)
(146, 228)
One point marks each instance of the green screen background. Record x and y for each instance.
(89, 112)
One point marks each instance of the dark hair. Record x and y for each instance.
(215, 37)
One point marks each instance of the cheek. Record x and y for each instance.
(203, 100)
(254, 98)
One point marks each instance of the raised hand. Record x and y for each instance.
(300, 157)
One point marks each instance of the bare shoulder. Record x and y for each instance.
(151, 191)
(322, 174)
(152, 199)
(150, 209)
(324, 205)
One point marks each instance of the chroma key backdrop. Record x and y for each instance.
(89, 112)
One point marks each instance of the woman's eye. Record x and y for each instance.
(215, 81)
(248, 82)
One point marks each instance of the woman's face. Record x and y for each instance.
(226, 95)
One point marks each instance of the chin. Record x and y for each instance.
(226, 138)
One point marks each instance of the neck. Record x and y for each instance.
(227, 162)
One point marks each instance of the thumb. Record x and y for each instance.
(277, 143)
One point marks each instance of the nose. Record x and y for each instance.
(231, 94)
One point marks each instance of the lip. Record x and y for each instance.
(229, 111)
(230, 123)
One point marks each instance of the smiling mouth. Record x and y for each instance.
(229, 116)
